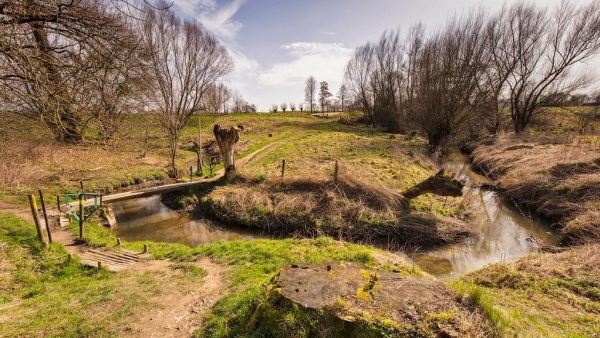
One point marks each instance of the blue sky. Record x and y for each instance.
(277, 44)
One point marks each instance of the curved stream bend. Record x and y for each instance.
(504, 233)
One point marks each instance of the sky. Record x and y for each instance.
(277, 44)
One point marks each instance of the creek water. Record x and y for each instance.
(504, 232)
(148, 219)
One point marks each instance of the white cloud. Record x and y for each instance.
(218, 20)
(323, 60)
(215, 18)
(245, 71)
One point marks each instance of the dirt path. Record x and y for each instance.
(181, 304)
(180, 307)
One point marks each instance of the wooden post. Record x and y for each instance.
(336, 172)
(282, 168)
(118, 242)
(191, 172)
(99, 265)
(36, 220)
(45, 216)
(81, 215)
(145, 248)
(81, 185)
(200, 170)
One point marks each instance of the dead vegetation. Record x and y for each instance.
(561, 181)
(547, 295)
(351, 209)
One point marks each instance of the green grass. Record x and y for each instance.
(310, 145)
(253, 265)
(48, 294)
(46, 285)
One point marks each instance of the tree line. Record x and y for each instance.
(325, 99)
(83, 65)
(459, 80)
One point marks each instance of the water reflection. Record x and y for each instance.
(504, 233)
(148, 219)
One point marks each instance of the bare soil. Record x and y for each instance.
(180, 307)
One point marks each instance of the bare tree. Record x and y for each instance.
(216, 97)
(301, 107)
(544, 46)
(310, 91)
(274, 108)
(387, 79)
(185, 61)
(239, 104)
(283, 106)
(249, 108)
(49, 54)
(342, 95)
(446, 81)
(358, 77)
(324, 95)
(292, 106)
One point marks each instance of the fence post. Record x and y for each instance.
(81, 216)
(336, 172)
(36, 220)
(282, 168)
(45, 216)
(191, 172)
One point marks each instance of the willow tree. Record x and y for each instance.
(540, 51)
(185, 60)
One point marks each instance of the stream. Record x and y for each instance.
(147, 218)
(503, 232)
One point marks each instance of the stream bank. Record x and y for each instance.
(557, 180)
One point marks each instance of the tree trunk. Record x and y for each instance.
(442, 183)
(226, 140)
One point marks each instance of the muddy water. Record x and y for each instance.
(148, 219)
(504, 232)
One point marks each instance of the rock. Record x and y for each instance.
(366, 291)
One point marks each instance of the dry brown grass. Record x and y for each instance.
(28, 165)
(545, 295)
(561, 181)
(352, 210)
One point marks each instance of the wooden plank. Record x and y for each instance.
(114, 257)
